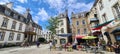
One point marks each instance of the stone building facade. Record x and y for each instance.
(80, 24)
(63, 28)
(108, 10)
(13, 25)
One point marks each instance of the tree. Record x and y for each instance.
(53, 23)
(42, 40)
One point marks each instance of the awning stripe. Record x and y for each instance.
(98, 27)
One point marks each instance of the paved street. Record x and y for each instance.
(42, 50)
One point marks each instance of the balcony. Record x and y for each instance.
(94, 20)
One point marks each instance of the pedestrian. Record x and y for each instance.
(116, 47)
(109, 44)
(38, 43)
(50, 45)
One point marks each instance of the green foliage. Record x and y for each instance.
(53, 23)
(41, 40)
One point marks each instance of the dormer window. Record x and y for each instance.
(82, 15)
(18, 17)
(2, 9)
(21, 19)
(15, 16)
(100, 5)
(7, 12)
(11, 14)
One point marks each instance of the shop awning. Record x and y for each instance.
(98, 27)
(65, 35)
(116, 30)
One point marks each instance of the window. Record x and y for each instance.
(5, 22)
(82, 15)
(18, 17)
(104, 17)
(77, 22)
(116, 11)
(61, 15)
(11, 14)
(2, 9)
(85, 31)
(7, 12)
(95, 15)
(22, 19)
(96, 24)
(20, 26)
(11, 36)
(61, 23)
(62, 30)
(15, 16)
(83, 22)
(13, 25)
(117, 38)
(2, 35)
(78, 31)
(18, 36)
(100, 5)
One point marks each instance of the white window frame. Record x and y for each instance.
(18, 37)
(2, 36)
(11, 36)
(14, 25)
(5, 22)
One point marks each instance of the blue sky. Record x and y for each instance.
(42, 10)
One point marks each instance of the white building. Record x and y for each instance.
(63, 28)
(13, 25)
(108, 10)
(47, 35)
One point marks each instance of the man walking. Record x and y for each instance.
(38, 43)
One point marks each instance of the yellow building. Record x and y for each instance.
(80, 24)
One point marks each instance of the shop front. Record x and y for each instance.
(116, 33)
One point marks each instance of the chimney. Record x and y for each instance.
(9, 5)
(66, 11)
(72, 14)
(27, 12)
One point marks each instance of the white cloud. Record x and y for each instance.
(57, 4)
(72, 5)
(36, 19)
(42, 15)
(4, 1)
(81, 6)
(35, 0)
(22, 1)
(20, 9)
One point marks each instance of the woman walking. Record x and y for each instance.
(50, 45)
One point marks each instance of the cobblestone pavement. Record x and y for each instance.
(43, 49)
